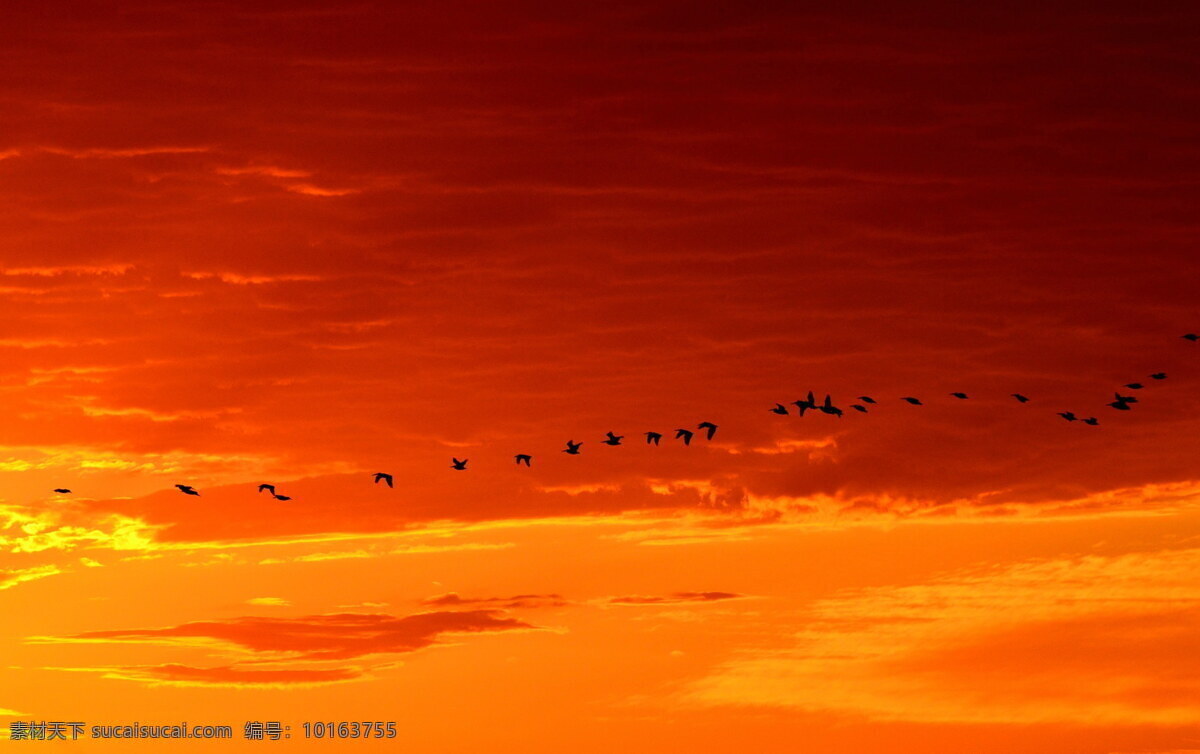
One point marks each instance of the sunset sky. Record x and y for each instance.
(300, 243)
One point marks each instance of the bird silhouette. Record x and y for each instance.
(914, 401)
(829, 408)
(459, 465)
(960, 396)
(807, 403)
(1191, 336)
(857, 407)
(1159, 376)
(268, 487)
(1020, 398)
(653, 437)
(573, 447)
(779, 409)
(1122, 402)
(1068, 415)
(281, 497)
(866, 399)
(1135, 386)
(712, 429)
(379, 475)
(187, 490)
(522, 458)
(1091, 420)
(613, 439)
(685, 435)
(63, 491)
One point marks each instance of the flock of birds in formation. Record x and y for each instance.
(1122, 403)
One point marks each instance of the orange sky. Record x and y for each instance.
(304, 242)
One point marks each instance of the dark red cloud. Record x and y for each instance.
(232, 675)
(675, 598)
(452, 599)
(330, 637)
(299, 242)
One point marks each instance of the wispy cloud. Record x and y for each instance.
(1091, 640)
(338, 636)
(675, 598)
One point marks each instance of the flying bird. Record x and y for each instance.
(857, 407)
(1135, 386)
(1122, 402)
(379, 475)
(1159, 376)
(187, 490)
(685, 435)
(653, 437)
(914, 401)
(522, 458)
(712, 429)
(1068, 415)
(459, 465)
(613, 439)
(281, 497)
(960, 396)
(1091, 420)
(573, 447)
(779, 409)
(866, 399)
(1020, 398)
(268, 487)
(829, 408)
(1191, 336)
(63, 491)
(807, 403)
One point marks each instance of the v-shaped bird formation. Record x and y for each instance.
(686, 435)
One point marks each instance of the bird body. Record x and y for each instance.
(63, 491)
(710, 427)
(187, 489)
(685, 435)
(807, 403)
(1020, 398)
(1159, 376)
(380, 476)
(857, 407)
(613, 439)
(866, 399)
(573, 447)
(653, 437)
(1068, 415)
(1091, 420)
(1191, 336)
(1135, 386)
(458, 465)
(523, 458)
(779, 409)
(268, 487)
(280, 497)
(828, 408)
(914, 401)
(960, 396)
